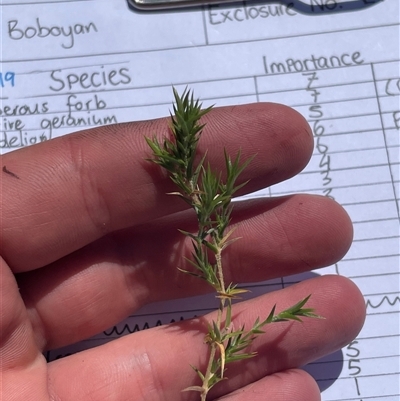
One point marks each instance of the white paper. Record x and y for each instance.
(340, 70)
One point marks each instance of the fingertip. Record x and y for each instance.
(278, 136)
(341, 304)
(331, 233)
(301, 386)
(343, 292)
(294, 134)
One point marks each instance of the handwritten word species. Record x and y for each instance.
(313, 63)
(98, 78)
(7, 79)
(220, 16)
(315, 114)
(37, 30)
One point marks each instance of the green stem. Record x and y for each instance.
(213, 345)
(218, 259)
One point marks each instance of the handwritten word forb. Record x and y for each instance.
(39, 30)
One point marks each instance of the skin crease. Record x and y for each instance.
(89, 236)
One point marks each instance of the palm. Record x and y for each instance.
(99, 241)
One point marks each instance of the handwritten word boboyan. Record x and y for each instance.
(42, 31)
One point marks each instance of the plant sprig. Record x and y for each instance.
(210, 197)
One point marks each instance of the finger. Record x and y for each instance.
(100, 285)
(63, 194)
(155, 364)
(292, 384)
(23, 367)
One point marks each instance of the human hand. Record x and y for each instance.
(89, 236)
